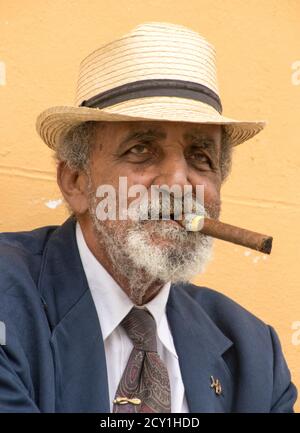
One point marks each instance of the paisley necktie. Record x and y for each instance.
(145, 385)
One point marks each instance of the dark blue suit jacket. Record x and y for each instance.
(54, 359)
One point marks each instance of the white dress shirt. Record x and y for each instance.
(112, 305)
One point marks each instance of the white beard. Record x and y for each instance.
(185, 255)
(142, 261)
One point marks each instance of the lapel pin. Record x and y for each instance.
(216, 384)
(125, 400)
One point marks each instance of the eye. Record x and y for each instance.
(139, 149)
(200, 157)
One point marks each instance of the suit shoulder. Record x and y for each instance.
(225, 312)
(20, 254)
(31, 241)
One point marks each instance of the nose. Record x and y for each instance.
(173, 170)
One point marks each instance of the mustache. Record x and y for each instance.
(165, 203)
(166, 206)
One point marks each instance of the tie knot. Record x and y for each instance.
(141, 329)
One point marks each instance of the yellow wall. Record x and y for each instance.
(257, 42)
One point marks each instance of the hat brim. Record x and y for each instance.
(54, 123)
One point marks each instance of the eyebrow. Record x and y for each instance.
(150, 134)
(201, 139)
(194, 136)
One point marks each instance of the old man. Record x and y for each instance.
(99, 312)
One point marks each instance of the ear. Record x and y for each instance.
(73, 184)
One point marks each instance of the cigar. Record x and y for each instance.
(227, 232)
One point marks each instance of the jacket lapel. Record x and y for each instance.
(199, 344)
(76, 341)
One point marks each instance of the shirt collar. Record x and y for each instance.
(111, 302)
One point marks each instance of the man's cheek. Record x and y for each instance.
(210, 189)
(212, 201)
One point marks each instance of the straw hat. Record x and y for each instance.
(158, 71)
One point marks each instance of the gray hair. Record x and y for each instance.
(76, 146)
(226, 154)
(75, 149)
